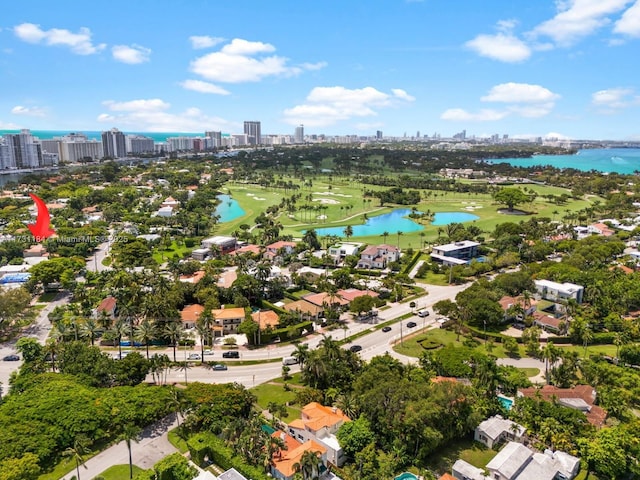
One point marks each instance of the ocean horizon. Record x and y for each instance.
(97, 135)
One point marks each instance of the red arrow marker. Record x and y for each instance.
(40, 230)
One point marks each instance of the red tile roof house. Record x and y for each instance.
(283, 463)
(378, 256)
(351, 293)
(580, 397)
(324, 299)
(320, 424)
(275, 248)
(108, 306)
(190, 314)
(507, 302)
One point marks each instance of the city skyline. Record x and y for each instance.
(560, 69)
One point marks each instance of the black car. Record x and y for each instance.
(386, 329)
(219, 366)
(355, 348)
(231, 354)
(11, 358)
(411, 324)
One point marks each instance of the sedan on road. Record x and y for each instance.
(219, 366)
(11, 358)
(411, 324)
(355, 348)
(386, 329)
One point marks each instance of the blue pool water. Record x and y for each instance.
(445, 218)
(228, 209)
(406, 476)
(392, 222)
(507, 403)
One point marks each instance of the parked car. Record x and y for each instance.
(355, 348)
(208, 352)
(195, 356)
(423, 313)
(386, 329)
(411, 324)
(219, 366)
(11, 358)
(232, 354)
(127, 343)
(519, 326)
(289, 361)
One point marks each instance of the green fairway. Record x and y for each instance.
(338, 201)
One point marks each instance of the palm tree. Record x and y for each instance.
(348, 404)
(146, 332)
(399, 233)
(385, 235)
(348, 232)
(203, 332)
(130, 433)
(80, 447)
(618, 340)
(309, 465)
(550, 354)
(120, 329)
(91, 329)
(301, 353)
(174, 332)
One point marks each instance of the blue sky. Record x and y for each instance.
(566, 68)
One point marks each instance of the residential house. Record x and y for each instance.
(306, 310)
(279, 248)
(220, 243)
(320, 424)
(342, 250)
(325, 300)
(600, 229)
(226, 278)
(517, 462)
(194, 278)
(227, 320)
(251, 248)
(171, 202)
(284, 462)
(165, 212)
(559, 292)
(266, 319)
(200, 254)
(231, 474)
(510, 307)
(190, 315)
(37, 250)
(549, 323)
(350, 294)
(108, 306)
(580, 397)
(496, 430)
(457, 253)
(378, 256)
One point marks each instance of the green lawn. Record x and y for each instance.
(161, 254)
(47, 297)
(412, 348)
(530, 372)
(177, 441)
(266, 393)
(119, 472)
(609, 350)
(475, 453)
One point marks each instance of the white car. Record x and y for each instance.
(195, 356)
(208, 352)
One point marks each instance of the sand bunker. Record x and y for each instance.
(327, 201)
(260, 199)
(321, 217)
(332, 193)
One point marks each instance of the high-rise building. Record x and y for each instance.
(137, 144)
(21, 151)
(379, 135)
(252, 130)
(114, 144)
(298, 136)
(180, 144)
(81, 151)
(213, 140)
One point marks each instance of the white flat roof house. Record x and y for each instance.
(456, 253)
(497, 429)
(555, 291)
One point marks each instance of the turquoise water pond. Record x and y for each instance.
(228, 209)
(395, 222)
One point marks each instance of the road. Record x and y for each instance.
(152, 447)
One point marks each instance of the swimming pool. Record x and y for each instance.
(445, 218)
(406, 476)
(228, 209)
(506, 402)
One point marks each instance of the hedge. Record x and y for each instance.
(287, 333)
(407, 269)
(208, 445)
(269, 305)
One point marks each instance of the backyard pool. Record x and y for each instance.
(506, 402)
(406, 476)
(445, 218)
(228, 209)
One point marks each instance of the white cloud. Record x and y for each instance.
(203, 87)
(327, 105)
(204, 41)
(9, 126)
(521, 99)
(132, 55)
(629, 23)
(577, 19)
(153, 115)
(150, 105)
(613, 99)
(245, 61)
(519, 93)
(485, 115)
(28, 111)
(79, 43)
(504, 47)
